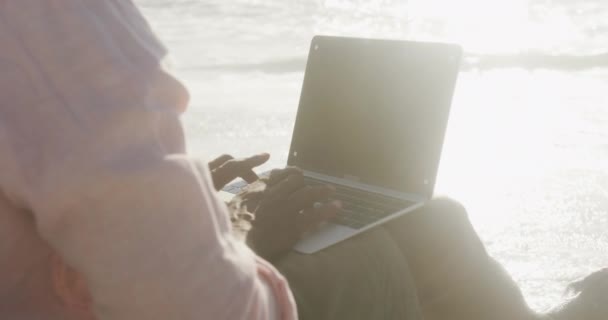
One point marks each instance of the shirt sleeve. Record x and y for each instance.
(89, 144)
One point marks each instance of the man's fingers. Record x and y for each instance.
(254, 161)
(278, 175)
(306, 197)
(243, 167)
(216, 163)
(249, 176)
(236, 168)
(311, 218)
(284, 189)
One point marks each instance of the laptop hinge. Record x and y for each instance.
(366, 187)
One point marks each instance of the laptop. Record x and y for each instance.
(371, 122)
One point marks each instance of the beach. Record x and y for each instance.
(526, 149)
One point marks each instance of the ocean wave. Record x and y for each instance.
(536, 61)
(286, 65)
(529, 61)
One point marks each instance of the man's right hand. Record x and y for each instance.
(284, 209)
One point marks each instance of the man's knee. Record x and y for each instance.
(446, 211)
(438, 218)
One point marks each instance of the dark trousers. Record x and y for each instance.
(429, 264)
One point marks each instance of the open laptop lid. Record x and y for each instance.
(375, 111)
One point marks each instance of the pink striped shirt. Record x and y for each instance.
(93, 168)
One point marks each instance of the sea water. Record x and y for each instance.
(527, 144)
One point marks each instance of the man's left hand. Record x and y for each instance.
(225, 168)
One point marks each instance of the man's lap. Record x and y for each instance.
(431, 259)
(365, 277)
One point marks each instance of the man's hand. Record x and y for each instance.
(283, 209)
(225, 169)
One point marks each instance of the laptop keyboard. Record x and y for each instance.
(359, 208)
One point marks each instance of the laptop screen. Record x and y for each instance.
(375, 111)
